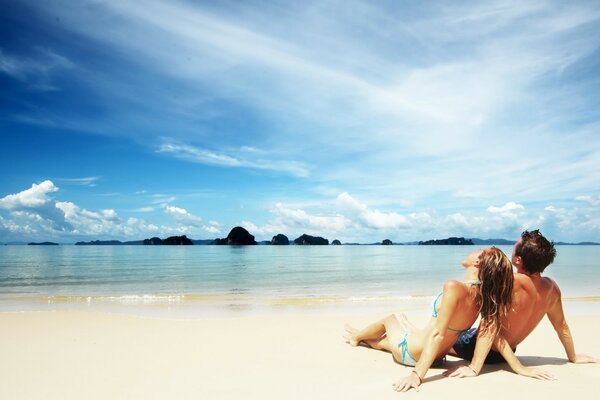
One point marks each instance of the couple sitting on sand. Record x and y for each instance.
(511, 306)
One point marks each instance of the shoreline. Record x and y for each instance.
(75, 354)
(199, 306)
(206, 307)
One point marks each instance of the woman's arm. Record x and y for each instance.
(483, 345)
(434, 340)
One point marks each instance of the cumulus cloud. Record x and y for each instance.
(35, 203)
(182, 216)
(352, 219)
(33, 212)
(90, 222)
(370, 218)
(35, 197)
(509, 207)
(300, 218)
(187, 222)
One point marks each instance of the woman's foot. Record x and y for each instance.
(350, 335)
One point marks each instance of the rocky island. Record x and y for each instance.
(305, 240)
(451, 241)
(238, 236)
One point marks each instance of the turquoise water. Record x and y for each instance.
(250, 277)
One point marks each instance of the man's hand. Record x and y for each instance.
(411, 381)
(537, 373)
(585, 359)
(462, 371)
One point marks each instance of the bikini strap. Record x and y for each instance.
(434, 312)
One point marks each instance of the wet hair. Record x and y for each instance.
(496, 277)
(535, 251)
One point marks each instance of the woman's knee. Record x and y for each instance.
(389, 320)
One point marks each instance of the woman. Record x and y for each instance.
(486, 289)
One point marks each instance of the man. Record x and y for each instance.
(533, 297)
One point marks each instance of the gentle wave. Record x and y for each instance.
(215, 298)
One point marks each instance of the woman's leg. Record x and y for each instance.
(407, 326)
(381, 335)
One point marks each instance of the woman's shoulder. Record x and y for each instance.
(454, 286)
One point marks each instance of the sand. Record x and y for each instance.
(90, 355)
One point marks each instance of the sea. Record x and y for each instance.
(214, 281)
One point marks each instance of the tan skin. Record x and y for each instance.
(457, 308)
(534, 297)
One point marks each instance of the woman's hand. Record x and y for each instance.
(585, 359)
(411, 381)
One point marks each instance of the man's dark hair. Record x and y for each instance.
(535, 251)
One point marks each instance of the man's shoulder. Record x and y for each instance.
(523, 282)
(551, 286)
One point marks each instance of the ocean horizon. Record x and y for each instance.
(208, 280)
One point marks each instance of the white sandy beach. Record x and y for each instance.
(87, 355)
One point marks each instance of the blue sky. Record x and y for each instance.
(352, 120)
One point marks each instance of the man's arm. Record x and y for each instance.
(504, 349)
(556, 316)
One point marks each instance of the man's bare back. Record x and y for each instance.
(533, 297)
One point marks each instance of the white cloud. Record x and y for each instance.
(593, 200)
(182, 216)
(554, 210)
(203, 156)
(300, 218)
(87, 181)
(90, 222)
(162, 199)
(35, 197)
(34, 213)
(509, 207)
(353, 220)
(190, 223)
(369, 218)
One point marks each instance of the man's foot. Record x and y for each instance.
(350, 335)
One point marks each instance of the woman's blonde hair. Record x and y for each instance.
(496, 277)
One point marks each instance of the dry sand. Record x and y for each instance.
(87, 355)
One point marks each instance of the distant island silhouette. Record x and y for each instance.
(451, 241)
(239, 236)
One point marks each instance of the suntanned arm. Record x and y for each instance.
(433, 341)
(556, 316)
(485, 339)
(488, 339)
(504, 349)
